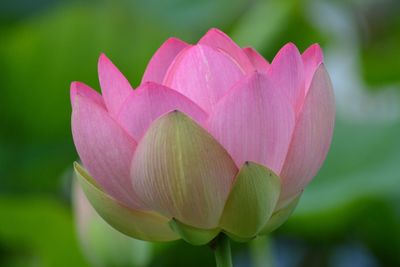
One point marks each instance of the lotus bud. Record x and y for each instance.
(214, 139)
(103, 245)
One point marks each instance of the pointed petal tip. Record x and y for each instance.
(104, 62)
(174, 40)
(290, 47)
(215, 30)
(103, 59)
(83, 90)
(315, 52)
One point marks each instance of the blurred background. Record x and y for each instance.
(348, 216)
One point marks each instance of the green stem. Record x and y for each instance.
(222, 250)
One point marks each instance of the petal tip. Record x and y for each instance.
(102, 58)
(174, 40)
(314, 51)
(290, 47)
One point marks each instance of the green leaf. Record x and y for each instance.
(251, 202)
(192, 235)
(37, 231)
(143, 225)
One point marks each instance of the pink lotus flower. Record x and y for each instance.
(214, 139)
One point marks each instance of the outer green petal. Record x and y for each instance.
(280, 216)
(238, 238)
(142, 225)
(251, 202)
(182, 172)
(194, 235)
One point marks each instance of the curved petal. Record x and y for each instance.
(254, 122)
(144, 225)
(311, 137)
(202, 74)
(220, 41)
(149, 102)
(114, 86)
(312, 58)
(280, 216)
(192, 235)
(159, 63)
(258, 61)
(286, 71)
(251, 201)
(104, 148)
(78, 88)
(182, 172)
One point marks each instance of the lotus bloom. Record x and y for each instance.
(214, 139)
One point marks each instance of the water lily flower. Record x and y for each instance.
(214, 139)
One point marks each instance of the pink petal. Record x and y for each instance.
(286, 71)
(311, 137)
(78, 88)
(202, 74)
(258, 61)
(149, 102)
(220, 41)
(254, 122)
(159, 63)
(312, 58)
(114, 86)
(104, 148)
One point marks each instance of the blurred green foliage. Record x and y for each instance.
(44, 45)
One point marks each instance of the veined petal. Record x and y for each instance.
(222, 42)
(192, 235)
(280, 216)
(149, 102)
(258, 61)
(254, 122)
(144, 225)
(78, 88)
(114, 86)
(311, 137)
(104, 148)
(202, 74)
(182, 172)
(286, 72)
(251, 201)
(162, 59)
(312, 58)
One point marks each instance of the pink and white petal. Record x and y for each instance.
(162, 59)
(149, 102)
(78, 88)
(182, 172)
(254, 122)
(311, 137)
(258, 61)
(114, 86)
(203, 74)
(222, 42)
(286, 71)
(104, 148)
(312, 58)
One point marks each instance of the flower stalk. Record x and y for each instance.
(222, 250)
